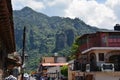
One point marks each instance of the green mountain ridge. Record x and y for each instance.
(47, 35)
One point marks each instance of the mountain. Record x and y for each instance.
(47, 35)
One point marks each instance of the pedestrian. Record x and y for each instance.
(11, 77)
(1, 74)
(26, 76)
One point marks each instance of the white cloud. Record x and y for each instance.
(115, 7)
(19, 4)
(35, 5)
(51, 3)
(49, 7)
(92, 13)
(55, 7)
(103, 14)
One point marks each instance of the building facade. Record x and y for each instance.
(98, 54)
(98, 48)
(50, 66)
(7, 41)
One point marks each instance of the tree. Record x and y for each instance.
(64, 70)
(74, 48)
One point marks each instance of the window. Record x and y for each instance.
(114, 36)
(101, 56)
(104, 39)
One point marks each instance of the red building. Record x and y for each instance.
(100, 39)
(98, 48)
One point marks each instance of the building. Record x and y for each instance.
(100, 47)
(95, 50)
(8, 58)
(50, 66)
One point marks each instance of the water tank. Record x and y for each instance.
(117, 27)
(55, 54)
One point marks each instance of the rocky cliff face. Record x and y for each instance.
(70, 36)
(64, 39)
(61, 41)
(46, 34)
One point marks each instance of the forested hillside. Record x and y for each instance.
(46, 35)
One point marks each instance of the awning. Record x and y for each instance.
(54, 64)
(100, 48)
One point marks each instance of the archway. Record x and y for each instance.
(92, 62)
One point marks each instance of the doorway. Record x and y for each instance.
(92, 62)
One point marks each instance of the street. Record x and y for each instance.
(32, 78)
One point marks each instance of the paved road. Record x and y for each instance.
(32, 78)
(106, 76)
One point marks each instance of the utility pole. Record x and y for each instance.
(23, 54)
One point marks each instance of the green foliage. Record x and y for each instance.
(64, 70)
(74, 49)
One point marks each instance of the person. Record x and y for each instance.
(11, 77)
(1, 74)
(26, 76)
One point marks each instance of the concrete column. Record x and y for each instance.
(97, 57)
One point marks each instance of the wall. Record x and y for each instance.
(3, 56)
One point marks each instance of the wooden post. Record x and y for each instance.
(23, 55)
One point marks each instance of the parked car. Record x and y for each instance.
(107, 67)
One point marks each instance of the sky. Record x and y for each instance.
(99, 13)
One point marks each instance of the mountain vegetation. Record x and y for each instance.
(46, 35)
